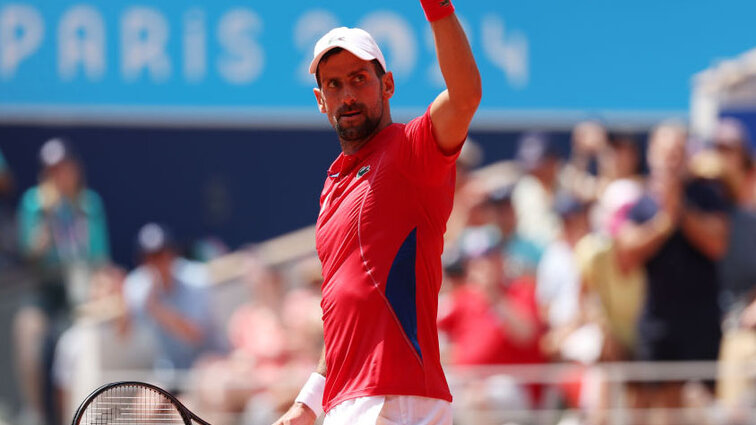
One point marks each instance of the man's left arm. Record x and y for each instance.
(173, 321)
(705, 220)
(707, 231)
(453, 109)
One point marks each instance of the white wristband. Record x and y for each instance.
(312, 393)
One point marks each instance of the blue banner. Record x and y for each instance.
(226, 57)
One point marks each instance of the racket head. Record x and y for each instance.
(132, 402)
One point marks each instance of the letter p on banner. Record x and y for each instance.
(21, 32)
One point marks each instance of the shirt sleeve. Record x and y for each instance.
(423, 159)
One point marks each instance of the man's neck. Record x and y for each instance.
(351, 147)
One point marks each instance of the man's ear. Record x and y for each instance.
(388, 85)
(320, 100)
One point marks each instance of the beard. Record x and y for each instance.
(359, 131)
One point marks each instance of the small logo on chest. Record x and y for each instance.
(364, 170)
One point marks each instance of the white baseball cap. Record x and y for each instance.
(355, 40)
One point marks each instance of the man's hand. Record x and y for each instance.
(671, 198)
(173, 321)
(41, 241)
(298, 414)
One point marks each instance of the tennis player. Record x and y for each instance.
(383, 213)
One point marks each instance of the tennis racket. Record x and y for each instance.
(133, 403)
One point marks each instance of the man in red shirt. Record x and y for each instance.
(380, 231)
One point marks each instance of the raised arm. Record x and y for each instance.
(453, 109)
(174, 321)
(708, 232)
(636, 243)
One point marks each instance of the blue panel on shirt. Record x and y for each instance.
(400, 288)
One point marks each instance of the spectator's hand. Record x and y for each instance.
(42, 240)
(671, 200)
(153, 303)
(298, 414)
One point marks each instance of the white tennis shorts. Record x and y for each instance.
(390, 410)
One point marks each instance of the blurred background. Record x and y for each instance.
(161, 165)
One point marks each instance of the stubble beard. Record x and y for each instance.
(362, 131)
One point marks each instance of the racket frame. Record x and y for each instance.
(187, 415)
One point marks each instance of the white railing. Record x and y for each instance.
(615, 375)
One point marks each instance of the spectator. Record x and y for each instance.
(467, 189)
(583, 175)
(677, 231)
(169, 296)
(558, 281)
(612, 297)
(63, 236)
(101, 322)
(257, 330)
(621, 184)
(621, 158)
(520, 254)
(276, 339)
(737, 270)
(618, 293)
(533, 195)
(301, 313)
(62, 225)
(490, 319)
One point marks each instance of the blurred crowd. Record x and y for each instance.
(615, 249)
(602, 256)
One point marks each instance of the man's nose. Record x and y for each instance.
(349, 96)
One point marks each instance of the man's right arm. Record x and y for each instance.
(636, 243)
(300, 413)
(322, 368)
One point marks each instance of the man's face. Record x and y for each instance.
(67, 177)
(666, 152)
(487, 271)
(732, 154)
(162, 263)
(352, 95)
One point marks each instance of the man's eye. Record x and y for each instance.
(359, 78)
(333, 84)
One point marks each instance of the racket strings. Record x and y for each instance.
(131, 405)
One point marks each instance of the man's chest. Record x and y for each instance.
(364, 210)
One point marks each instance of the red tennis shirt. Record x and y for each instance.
(379, 235)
